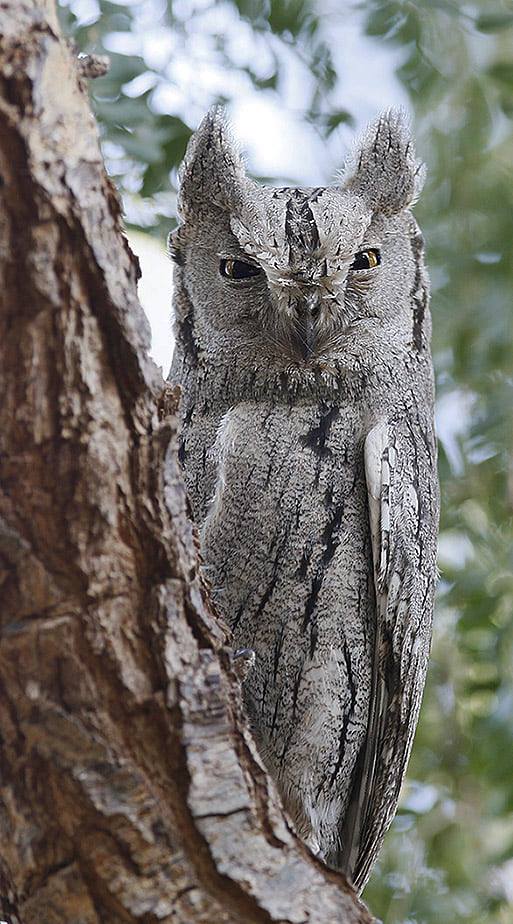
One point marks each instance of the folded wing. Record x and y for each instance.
(400, 468)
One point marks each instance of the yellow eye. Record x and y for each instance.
(366, 259)
(238, 269)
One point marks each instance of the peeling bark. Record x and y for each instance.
(130, 788)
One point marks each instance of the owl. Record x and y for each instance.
(303, 354)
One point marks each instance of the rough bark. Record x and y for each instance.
(130, 788)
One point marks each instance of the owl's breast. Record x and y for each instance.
(286, 546)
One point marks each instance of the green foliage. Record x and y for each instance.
(446, 857)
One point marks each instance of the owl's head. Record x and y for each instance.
(297, 277)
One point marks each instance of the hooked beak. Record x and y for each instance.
(308, 309)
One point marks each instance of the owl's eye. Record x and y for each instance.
(238, 269)
(366, 259)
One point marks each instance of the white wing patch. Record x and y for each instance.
(379, 458)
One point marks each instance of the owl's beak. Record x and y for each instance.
(308, 310)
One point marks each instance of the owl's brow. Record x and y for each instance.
(346, 256)
(301, 228)
(236, 253)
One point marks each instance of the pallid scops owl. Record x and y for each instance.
(303, 355)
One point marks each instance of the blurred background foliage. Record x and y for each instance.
(449, 856)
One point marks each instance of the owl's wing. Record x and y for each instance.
(400, 468)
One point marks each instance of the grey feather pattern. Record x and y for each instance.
(310, 461)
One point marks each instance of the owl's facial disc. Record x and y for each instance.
(318, 260)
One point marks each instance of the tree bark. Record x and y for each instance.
(130, 788)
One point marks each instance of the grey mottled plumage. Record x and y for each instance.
(310, 460)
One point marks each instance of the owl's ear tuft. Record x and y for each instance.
(212, 172)
(382, 167)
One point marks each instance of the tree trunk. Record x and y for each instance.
(130, 787)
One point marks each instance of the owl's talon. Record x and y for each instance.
(243, 660)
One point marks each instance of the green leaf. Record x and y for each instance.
(156, 179)
(254, 11)
(383, 21)
(292, 17)
(266, 83)
(336, 118)
(502, 71)
(494, 22)
(174, 149)
(124, 111)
